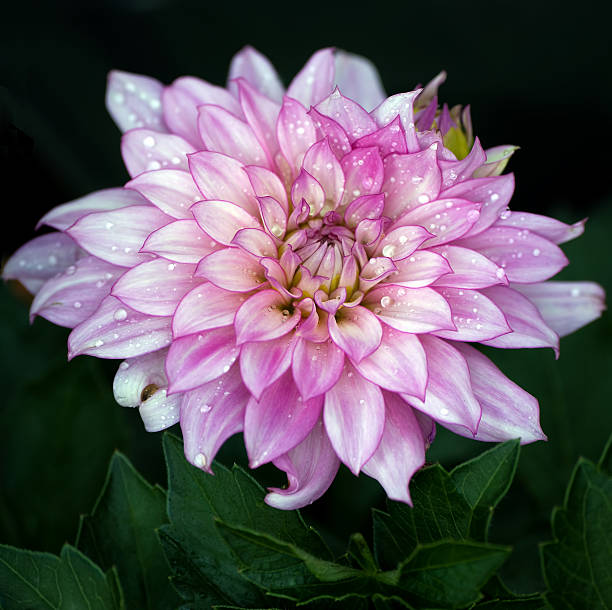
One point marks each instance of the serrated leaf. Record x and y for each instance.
(449, 574)
(121, 532)
(34, 581)
(392, 602)
(483, 481)
(577, 566)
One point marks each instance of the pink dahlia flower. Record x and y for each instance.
(309, 267)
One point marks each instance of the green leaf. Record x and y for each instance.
(450, 574)
(527, 603)
(393, 602)
(121, 532)
(577, 566)
(345, 602)
(35, 581)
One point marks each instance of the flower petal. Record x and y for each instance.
(232, 269)
(222, 219)
(401, 242)
(553, 230)
(470, 269)
(137, 374)
(364, 173)
(354, 416)
(356, 331)
(358, 79)
(321, 163)
(400, 105)
(315, 80)
(278, 421)
(316, 366)
(295, 132)
(160, 411)
(256, 69)
(355, 121)
(266, 184)
(423, 268)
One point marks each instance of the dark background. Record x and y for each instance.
(537, 74)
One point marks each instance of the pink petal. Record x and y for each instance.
(266, 184)
(355, 121)
(134, 101)
(232, 269)
(117, 236)
(144, 149)
(400, 243)
(222, 178)
(497, 159)
(364, 173)
(354, 416)
(71, 297)
(358, 79)
(410, 181)
(401, 451)
(421, 269)
(321, 163)
(263, 362)
(507, 410)
(197, 359)
(366, 206)
(529, 329)
(553, 230)
(274, 218)
(398, 364)
(223, 132)
(205, 307)
(211, 414)
(316, 366)
(411, 310)
(308, 188)
(173, 191)
(256, 69)
(256, 242)
(388, 139)
(116, 331)
(295, 132)
(566, 306)
(160, 411)
(135, 374)
(265, 316)
(65, 215)
(400, 105)
(356, 331)
(315, 80)
(458, 171)
(470, 269)
(222, 219)
(155, 287)
(181, 241)
(326, 127)
(310, 466)
(278, 421)
(525, 257)
(476, 317)
(449, 398)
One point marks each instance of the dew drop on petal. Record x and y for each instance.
(536, 252)
(78, 304)
(149, 141)
(120, 314)
(388, 250)
(386, 301)
(200, 460)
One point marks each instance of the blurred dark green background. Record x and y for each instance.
(536, 75)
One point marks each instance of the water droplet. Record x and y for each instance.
(473, 215)
(495, 197)
(536, 252)
(99, 343)
(444, 412)
(149, 141)
(575, 292)
(200, 460)
(386, 301)
(388, 250)
(120, 314)
(205, 408)
(423, 198)
(109, 225)
(78, 304)
(276, 230)
(171, 266)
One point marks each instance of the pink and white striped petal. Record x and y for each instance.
(458, 171)
(222, 219)
(423, 268)
(554, 230)
(358, 79)
(267, 184)
(566, 306)
(355, 121)
(278, 421)
(315, 80)
(363, 172)
(274, 218)
(263, 362)
(311, 467)
(400, 243)
(295, 133)
(135, 374)
(155, 287)
(265, 316)
(144, 149)
(173, 191)
(364, 207)
(310, 190)
(356, 331)
(181, 241)
(257, 70)
(401, 451)
(410, 310)
(470, 269)
(388, 139)
(160, 411)
(71, 297)
(197, 359)
(354, 417)
(116, 331)
(117, 236)
(321, 163)
(232, 269)
(326, 127)
(316, 366)
(220, 177)
(400, 105)
(133, 100)
(449, 398)
(398, 365)
(211, 414)
(256, 242)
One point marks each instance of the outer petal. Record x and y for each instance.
(278, 421)
(155, 287)
(256, 69)
(144, 149)
(355, 121)
(423, 268)
(173, 191)
(310, 467)
(160, 411)
(470, 269)
(566, 306)
(356, 331)
(71, 297)
(116, 331)
(402, 105)
(401, 451)
(232, 269)
(358, 79)
(399, 364)
(134, 101)
(354, 416)
(117, 236)
(553, 230)
(449, 398)
(295, 132)
(315, 80)
(316, 366)
(197, 359)
(210, 415)
(507, 410)
(137, 374)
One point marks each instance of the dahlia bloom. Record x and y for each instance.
(308, 267)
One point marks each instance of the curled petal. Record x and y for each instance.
(266, 183)
(211, 414)
(356, 331)
(401, 451)
(458, 171)
(388, 139)
(326, 127)
(315, 80)
(310, 190)
(321, 163)
(401, 242)
(316, 366)
(469, 269)
(566, 306)
(358, 79)
(310, 466)
(160, 411)
(232, 269)
(278, 421)
(366, 206)
(274, 218)
(222, 219)
(355, 121)
(257, 70)
(197, 359)
(497, 159)
(137, 379)
(400, 105)
(354, 416)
